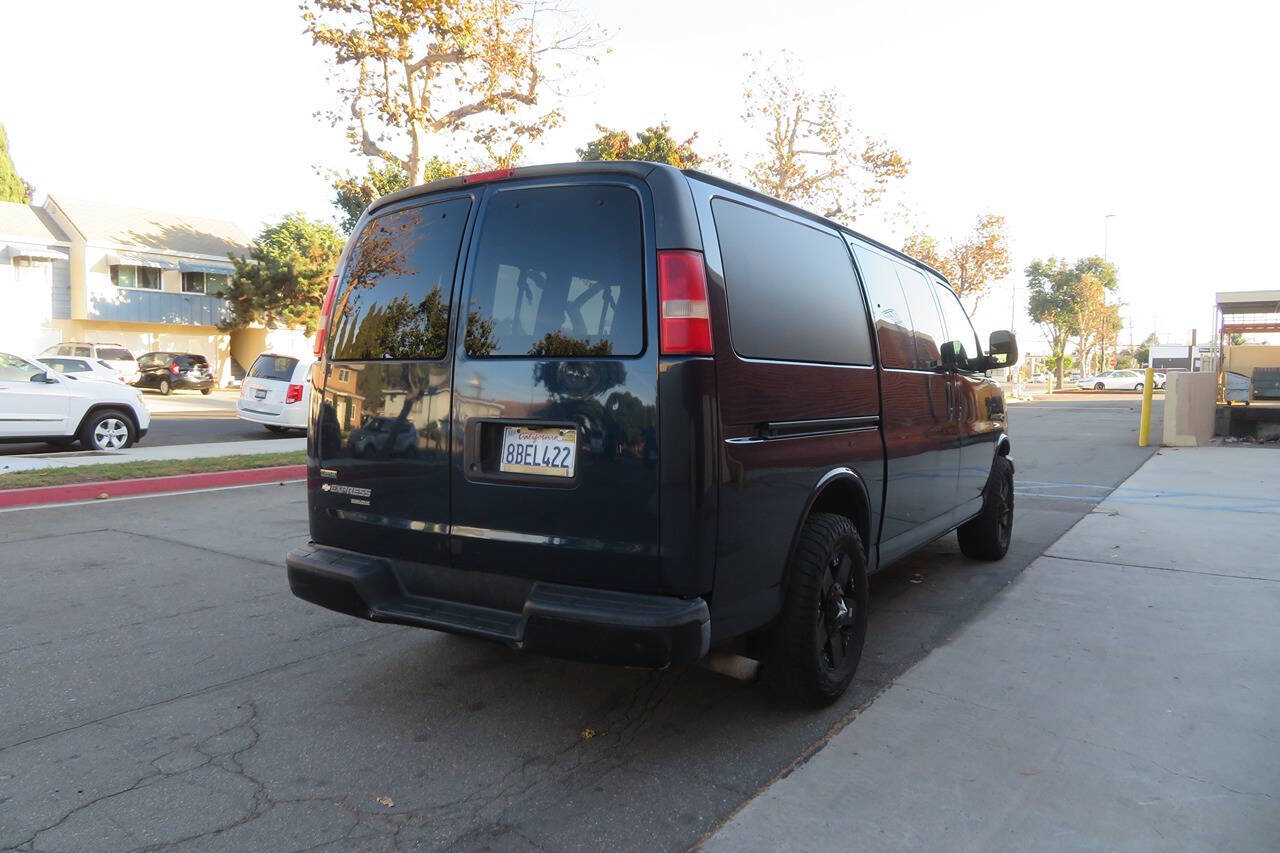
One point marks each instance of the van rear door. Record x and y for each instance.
(383, 426)
(555, 473)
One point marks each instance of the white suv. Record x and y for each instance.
(115, 355)
(39, 404)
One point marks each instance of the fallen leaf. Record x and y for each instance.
(102, 496)
(588, 734)
(386, 801)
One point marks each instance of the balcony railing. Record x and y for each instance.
(157, 306)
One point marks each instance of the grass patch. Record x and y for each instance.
(157, 468)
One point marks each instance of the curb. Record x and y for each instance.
(39, 495)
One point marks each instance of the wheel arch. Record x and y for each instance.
(841, 491)
(124, 408)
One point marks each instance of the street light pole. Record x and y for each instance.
(1106, 235)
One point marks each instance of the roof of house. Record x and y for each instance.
(134, 227)
(28, 223)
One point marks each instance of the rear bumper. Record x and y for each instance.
(578, 623)
(294, 415)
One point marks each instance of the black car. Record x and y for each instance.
(672, 414)
(171, 371)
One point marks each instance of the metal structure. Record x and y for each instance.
(1243, 312)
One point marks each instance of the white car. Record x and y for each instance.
(39, 404)
(276, 392)
(1113, 380)
(82, 368)
(116, 356)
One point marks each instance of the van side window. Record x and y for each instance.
(792, 291)
(959, 330)
(559, 271)
(394, 299)
(888, 307)
(926, 322)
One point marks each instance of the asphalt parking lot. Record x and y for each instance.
(163, 688)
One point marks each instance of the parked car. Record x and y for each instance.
(1159, 379)
(40, 404)
(167, 372)
(82, 368)
(276, 392)
(382, 437)
(116, 356)
(1113, 380)
(676, 414)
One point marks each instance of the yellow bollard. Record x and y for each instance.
(1144, 428)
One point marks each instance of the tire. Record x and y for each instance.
(164, 387)
(1138, 387)
(1098, 386)
(206, 391)
(108, 429)
(987, 535)
(812, 652)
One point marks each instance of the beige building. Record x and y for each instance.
(84, 271)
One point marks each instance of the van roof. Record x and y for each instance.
(679, 232)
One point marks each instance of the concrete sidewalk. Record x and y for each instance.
(1122, 694)
(142, 453)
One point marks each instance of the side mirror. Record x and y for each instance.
(953, 356)
(1003, 350)
(43, 377)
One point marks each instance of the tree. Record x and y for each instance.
(1143, 354)
(971, 265)
(283, 280)
(353, 194)
(12, 187)
(813, 155)
(655, 144)
(415, 75)
(1070, 301)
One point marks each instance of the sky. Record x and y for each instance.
(1162, 115)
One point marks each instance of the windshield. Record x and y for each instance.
(115, 353)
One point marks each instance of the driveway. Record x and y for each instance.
(162, 687)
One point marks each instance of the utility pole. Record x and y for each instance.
(1106, 235)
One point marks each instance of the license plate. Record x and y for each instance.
(547, 451)
(260, 393)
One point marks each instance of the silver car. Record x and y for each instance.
(1113, 380)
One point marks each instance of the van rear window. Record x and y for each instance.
(397, 284)
(278, 367)
(559, 272)
(115, 354)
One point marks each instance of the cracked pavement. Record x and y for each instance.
(161, 688)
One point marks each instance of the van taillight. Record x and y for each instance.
(294, 394)
(324, 316)
(682, 297)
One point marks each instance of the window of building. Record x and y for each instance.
(140, 278)
(792, 291)
(210, 283)
(559, 272)
(397, 285)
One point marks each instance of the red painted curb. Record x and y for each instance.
(38, 495)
